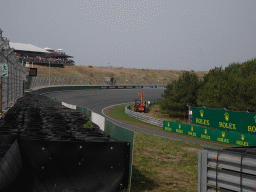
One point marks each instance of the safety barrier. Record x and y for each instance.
(226, 170)
(222, 136)
(211, 134)
(144, 118)
(115, 131)
(243, 122)
(12, 75)
(46, 80)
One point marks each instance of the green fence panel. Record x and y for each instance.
(210, 134)
(89, 113)
(80, 109)
(250, 119)
(225, 137)
(244, 139)
(84, 110)
(175, 127)
(28, 82)
(242, 122)
(123, 134)
(193, 131)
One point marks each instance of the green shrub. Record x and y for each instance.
(88, 125)
(179, 94)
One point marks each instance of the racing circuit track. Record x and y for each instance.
(98, 99)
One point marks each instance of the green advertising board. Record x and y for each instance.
(210, 134)
(242, 122)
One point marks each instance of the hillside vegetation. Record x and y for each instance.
(93, 71)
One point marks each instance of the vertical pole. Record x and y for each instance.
(1, 97)
(49, 73)
(24, 86)
(189, 115)
(8, 85)
(202, 170)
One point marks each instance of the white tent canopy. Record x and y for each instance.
(26, 47)
(48, 49)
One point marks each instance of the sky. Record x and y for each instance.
(194, 35)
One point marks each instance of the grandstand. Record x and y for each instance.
(30, 54)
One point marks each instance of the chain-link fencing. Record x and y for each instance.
(12, 74)
(53, 80)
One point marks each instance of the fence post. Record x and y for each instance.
(189, 115)
(202, 170)
(1, 96)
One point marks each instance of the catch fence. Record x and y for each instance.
(12, 75)
(52, 80)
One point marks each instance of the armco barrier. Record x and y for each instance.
(115, 131)
(226, 170)
(221, 136)
(144, 118)
(243, 122)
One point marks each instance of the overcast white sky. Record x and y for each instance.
(165, 34)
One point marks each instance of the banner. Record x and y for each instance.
(4, 70)
(121, 87)
(221, 136)
(243, 122)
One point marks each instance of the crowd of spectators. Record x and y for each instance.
(39, 59)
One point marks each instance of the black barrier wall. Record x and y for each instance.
(54, 151)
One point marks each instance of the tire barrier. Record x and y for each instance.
(44, 147)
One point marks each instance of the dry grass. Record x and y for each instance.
(161, 164)
(93, 71)
(161, 115)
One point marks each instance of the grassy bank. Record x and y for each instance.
(160, 164)
(161, 115)
(116, 72)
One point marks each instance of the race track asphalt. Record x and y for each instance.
(97, 100)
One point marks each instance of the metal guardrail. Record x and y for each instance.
(144, 118)
(221, 170)
(12, 85)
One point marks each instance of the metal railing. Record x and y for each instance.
(12, 85)
(221, 170)
(144, 118)
(46, 80)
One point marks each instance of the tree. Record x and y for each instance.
(233, 88)
(180, 93)
(211, 90)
